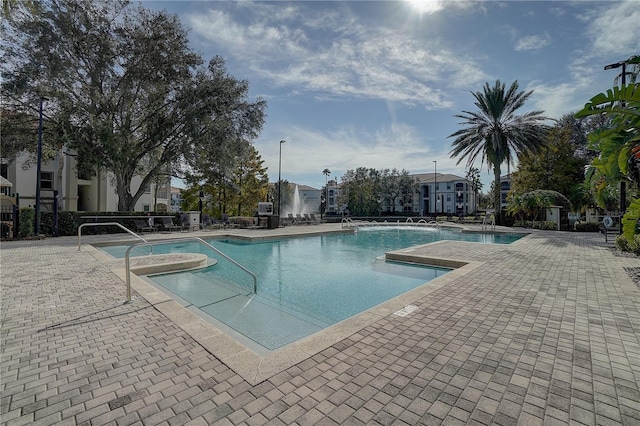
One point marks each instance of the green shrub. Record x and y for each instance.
(622, 243)
(548, 225)
(27, 222)
(632, 246)
(636, 244)
(587, 227)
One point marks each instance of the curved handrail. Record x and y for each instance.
(104, 224)
(173, 240)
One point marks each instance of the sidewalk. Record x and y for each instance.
(543, 331)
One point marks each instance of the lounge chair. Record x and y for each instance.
(167, 225)
(291, 219)
(142, 226)
(185, 220)
(315, 219)
(207, 223)
(300, 220)
(226, 223)
(308, 219)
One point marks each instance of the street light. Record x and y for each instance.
(623, 189)
(435, 186)
(280, 176)
(39, 166)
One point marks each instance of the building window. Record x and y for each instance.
(46, 180)
(146, 208)
(147, 189)
(448, 185)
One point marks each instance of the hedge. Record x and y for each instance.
(69, 221)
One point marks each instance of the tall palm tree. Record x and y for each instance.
(326, 173)
(495, 132)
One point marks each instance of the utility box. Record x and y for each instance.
(273, 222)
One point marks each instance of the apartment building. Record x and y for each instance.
(59, 178)
(438, 194)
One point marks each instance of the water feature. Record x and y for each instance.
(297, 206)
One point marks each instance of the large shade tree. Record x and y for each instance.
(124, 90)
(558, 166)
(495, 133)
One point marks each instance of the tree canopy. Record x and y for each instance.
(365, 191)
(559, 164)
(125, 91)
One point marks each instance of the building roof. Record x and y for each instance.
(439, 177)
(300, 186)
(4, 183)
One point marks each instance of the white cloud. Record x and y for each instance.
(616, 30)
(532, 42)
(355, 61)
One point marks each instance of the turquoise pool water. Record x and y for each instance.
(304, 284)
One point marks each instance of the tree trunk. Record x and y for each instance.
(497, 199)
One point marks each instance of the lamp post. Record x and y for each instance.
(623, 189)
(280, 176)
(435, 186)
(38, 167)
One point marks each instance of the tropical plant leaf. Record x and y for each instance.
(615, 100)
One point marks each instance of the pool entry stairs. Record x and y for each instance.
(172, 241)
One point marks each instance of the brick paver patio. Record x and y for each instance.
(543, 331)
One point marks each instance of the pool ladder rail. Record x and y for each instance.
(490, 224)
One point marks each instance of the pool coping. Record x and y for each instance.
(256, 368)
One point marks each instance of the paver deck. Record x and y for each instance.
(542, 331)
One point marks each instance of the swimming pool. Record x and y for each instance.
(305, 284)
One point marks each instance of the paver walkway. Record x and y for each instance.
(544, 331)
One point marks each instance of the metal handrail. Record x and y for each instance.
(492, 223)
(104, 224)
(173, 240)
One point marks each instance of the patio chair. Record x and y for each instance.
(185, 221)
(167, 225)
(207, 223)
(300, 219)
(609, 227)
(309, 220)
(142, 226)
(315, 219)
(226, 223)
(291, 219)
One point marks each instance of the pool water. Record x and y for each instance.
(305, 284)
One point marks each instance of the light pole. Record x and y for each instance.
(623, 188)
(435, 186)
(38, 167)
(280, 175)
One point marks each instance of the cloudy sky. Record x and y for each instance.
(377, 83)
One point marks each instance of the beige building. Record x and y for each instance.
(59, 177)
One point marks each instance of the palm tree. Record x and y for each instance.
(495, 132)
(326, 173)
